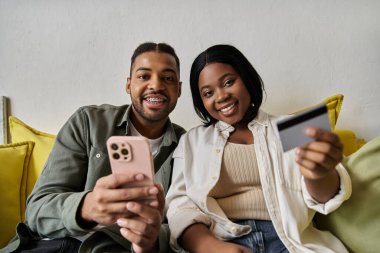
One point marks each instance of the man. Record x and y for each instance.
(77, 200)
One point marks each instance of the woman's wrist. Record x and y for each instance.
(196, 238)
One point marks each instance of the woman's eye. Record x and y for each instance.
(207, 93)
(228, 82)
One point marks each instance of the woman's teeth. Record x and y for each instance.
(227, 108)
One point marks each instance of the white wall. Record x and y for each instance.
(58, 55)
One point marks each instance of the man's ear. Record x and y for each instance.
(128, 85)
(179, 89)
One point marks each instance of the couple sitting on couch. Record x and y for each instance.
(231, 189)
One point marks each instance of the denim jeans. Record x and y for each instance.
(262, 239)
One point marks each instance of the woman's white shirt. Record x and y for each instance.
(197, 163)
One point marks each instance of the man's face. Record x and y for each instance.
(154, 86)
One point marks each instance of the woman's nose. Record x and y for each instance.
(221, 95)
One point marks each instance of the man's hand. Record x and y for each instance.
(108, 202)
(143, 228)
(318, 160)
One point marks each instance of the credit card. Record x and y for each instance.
(292, 129)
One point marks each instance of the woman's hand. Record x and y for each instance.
(318, 160)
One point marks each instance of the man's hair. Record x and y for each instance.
(154, 47)
(230, 55)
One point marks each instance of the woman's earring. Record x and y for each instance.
(253, 105)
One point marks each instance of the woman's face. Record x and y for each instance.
(223, 93)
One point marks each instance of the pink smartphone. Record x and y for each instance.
(131, 155)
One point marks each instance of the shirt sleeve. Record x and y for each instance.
(53, 205)
(181, 211)
(331, 205)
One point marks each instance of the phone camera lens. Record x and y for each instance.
(116, 156)
(124, 151)
(114, 146)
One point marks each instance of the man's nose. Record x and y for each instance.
(156, 83)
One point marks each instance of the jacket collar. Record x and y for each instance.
(124, 119)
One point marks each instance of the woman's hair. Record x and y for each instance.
(154, 47)
(230, 55)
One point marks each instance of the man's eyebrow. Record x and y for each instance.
(149, 69)
(143, 68)
(169, 70)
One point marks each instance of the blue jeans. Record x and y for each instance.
(262, 239)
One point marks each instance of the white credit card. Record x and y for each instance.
(292, 129)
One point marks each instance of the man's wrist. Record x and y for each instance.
(155, 248)
(81, 220)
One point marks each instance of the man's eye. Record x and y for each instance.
(168, 78)
(143, 77)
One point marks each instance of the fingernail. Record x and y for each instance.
(310, 131)
(153, 190)
(139, 177)
(120, 222)
(130, 205)
(154, 203)
(160, 185)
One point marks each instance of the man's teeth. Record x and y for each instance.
(154, 100)
(227, 108)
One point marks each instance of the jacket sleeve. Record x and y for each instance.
(331, 205)
(52, 206)
(181, 210)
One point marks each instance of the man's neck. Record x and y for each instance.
(149, 129)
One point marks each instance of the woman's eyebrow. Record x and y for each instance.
(224, 76)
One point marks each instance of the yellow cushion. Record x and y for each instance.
(350, 143)
(43, 142)
(14, 162)
(334, 104)
(347, 137)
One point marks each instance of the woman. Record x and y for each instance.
(233, 189)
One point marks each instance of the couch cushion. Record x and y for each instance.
(357, 221)
(14, 163)
(43, 142)
(349, 140)
(333, 104)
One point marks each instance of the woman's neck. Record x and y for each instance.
(241, 135)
